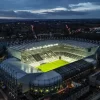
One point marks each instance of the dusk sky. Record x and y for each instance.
(50, 9)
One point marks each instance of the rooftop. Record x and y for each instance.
(48, 43)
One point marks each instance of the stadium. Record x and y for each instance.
(46, 67)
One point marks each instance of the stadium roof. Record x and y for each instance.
(26, 46)
(20, 69)
(80, 44)
(47, 78)
(12, 69)
(73, 68)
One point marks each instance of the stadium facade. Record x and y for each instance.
(22, 73)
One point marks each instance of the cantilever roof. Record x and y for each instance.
(79, 44)
(20, 69)
(10, 68)
(25, 46)
(47, 78)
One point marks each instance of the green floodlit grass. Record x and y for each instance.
(52, 65)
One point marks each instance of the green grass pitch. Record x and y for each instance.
(52, 65)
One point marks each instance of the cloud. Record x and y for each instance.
(20, 14)
(66, 13)
(7, 13)
(47, 13)
(84, 6)
(38, 4)
(25, 14)
(43, 11)
(78, 10)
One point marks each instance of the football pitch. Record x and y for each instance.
(52, 65)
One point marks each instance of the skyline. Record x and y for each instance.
(46, 9)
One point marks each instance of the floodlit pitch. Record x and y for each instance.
(52, 65)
